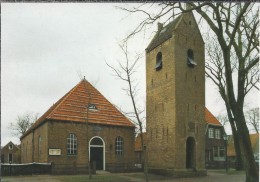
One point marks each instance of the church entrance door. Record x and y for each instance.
(97, 152)
(190, 153)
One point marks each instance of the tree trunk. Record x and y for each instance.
(239, 161)
(252, 174)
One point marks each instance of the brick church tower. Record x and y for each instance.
(175, 86)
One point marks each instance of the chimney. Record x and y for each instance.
(160, 26)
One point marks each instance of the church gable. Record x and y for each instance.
(179, 26)
(188, 28)
(84, 103)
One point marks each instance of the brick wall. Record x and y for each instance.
(54, 135)
(31, 151)
(176, 99)
(27, 148)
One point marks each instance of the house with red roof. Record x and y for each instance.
(81, 129)
(215, 155)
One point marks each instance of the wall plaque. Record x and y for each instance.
(54, 151)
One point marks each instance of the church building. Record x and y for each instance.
(81, 127)
(175, 99)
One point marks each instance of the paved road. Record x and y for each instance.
(212, 176)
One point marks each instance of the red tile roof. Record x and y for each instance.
(210, 118)
(73, 107)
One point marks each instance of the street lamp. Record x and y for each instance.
(225, 138)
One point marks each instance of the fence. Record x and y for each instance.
(25, 169)
(72, 168)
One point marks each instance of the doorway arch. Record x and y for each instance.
(190, 153)
(97, 152)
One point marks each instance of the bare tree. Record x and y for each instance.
(216, 73)
(223, 119)
(234, 26)
(23, 123)
(125, 72)
(252, 117)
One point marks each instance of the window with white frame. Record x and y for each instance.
(119, 149)
(211, 132)
(217, 133)
(72, 144)
(219, 153)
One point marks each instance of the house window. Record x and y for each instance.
(119, 146)
(219, 153)
(211, 133)
(72, 144)
(11, 147)
(158, 61)
(190, 59)
(217, 133)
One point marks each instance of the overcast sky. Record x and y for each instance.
(47, 48)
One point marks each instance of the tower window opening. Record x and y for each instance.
(190, 59)
(158, 65)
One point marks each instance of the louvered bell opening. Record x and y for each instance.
(158, 65)
(191, 63)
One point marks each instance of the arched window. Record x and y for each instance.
(119, 146)
(190, 59)
(158, 61)
(72, 144)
